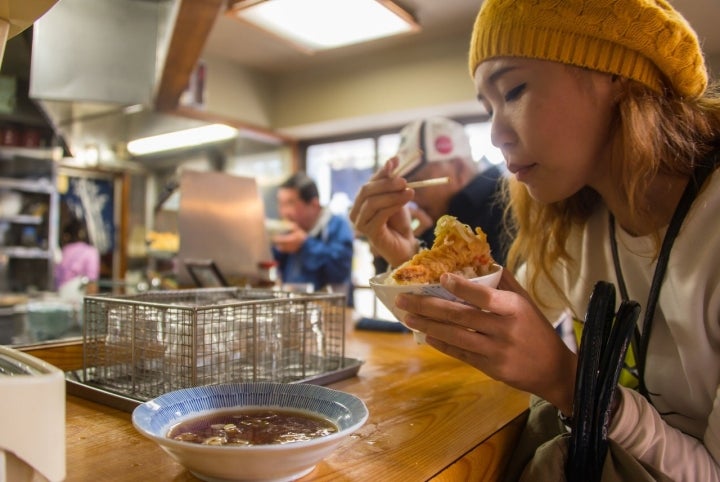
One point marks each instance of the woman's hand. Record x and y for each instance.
(499, 331)
(381, 215)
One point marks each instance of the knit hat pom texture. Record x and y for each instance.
(644, 40)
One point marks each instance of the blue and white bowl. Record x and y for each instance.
(217, 463)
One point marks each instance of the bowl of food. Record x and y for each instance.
(456, 249)
(278, 226)
(250, 431)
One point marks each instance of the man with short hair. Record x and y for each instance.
(318, 248)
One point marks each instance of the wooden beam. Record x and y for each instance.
(194, 21)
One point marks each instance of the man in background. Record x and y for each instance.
(473, 193)
(318, 247)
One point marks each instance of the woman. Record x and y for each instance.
(602, 111)
(80, 260)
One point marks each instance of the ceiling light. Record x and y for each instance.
(180, 139)
(325, 24)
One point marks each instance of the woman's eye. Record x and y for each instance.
(514, 93)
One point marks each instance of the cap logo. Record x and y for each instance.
(444, 145)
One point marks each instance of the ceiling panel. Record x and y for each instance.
(253, 48)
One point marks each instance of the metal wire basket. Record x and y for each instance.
(144, 345)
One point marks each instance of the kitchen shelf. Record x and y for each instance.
(29, 263)
(28, 185)
(48, 154)
(25, 252)
(22, 219)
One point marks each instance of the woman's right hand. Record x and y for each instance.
(380, 213)
(498, 331)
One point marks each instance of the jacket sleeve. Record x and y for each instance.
(640, 430)
(331, 253)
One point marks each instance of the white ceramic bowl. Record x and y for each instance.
(387, 293)
(278, 226)
(281, 462)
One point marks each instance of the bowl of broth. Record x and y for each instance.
(250, 431)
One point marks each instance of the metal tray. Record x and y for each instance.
(87, 390)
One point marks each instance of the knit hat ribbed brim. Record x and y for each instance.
(644, 40)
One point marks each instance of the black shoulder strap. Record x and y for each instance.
(640, 341)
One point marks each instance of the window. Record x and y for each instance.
(340, 169)
(481, 145)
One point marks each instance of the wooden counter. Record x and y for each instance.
(431, 418)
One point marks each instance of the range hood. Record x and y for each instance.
(95, 70)
(109, 51)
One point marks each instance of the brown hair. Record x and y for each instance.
(653, 133)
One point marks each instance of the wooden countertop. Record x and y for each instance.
(431, 418)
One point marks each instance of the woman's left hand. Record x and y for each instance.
(499, 331)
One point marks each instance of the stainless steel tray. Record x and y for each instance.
(76, 386)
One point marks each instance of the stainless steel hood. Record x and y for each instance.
(109, 51)
(96, 66)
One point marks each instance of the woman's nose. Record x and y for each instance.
(502, 135)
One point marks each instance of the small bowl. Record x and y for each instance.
(278, 226)
(387, 293)
(279, 462)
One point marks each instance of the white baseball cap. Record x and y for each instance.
(439, 139)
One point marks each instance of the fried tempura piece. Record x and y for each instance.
(455, 250)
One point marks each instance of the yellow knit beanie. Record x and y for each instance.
(644, 40)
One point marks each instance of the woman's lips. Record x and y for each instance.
(521, 171)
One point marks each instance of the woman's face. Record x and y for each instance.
(551, 122)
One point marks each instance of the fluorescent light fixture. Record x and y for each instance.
(179, 139)
(325, 24)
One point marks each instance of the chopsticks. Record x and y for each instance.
(436, 181)
(408, 164)
(411, 162)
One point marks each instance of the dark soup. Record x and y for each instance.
(252, 427)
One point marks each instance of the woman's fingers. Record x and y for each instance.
(377, 195)
(499, 331)
(376, 208)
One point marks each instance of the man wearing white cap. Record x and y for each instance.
(471, 194)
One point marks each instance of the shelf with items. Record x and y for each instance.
(21, 219)
(40, 153)
(29, 210)
(41, 185)
(25, 252)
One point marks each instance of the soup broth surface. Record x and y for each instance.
(252, 427)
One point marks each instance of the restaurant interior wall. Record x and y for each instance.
(237, 92)
(354, 94)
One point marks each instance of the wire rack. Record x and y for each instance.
(144, 345)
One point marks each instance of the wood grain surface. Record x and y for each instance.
(431, 418)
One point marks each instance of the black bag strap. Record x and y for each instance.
(602, 350)
(603, 346)
(641, 340)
